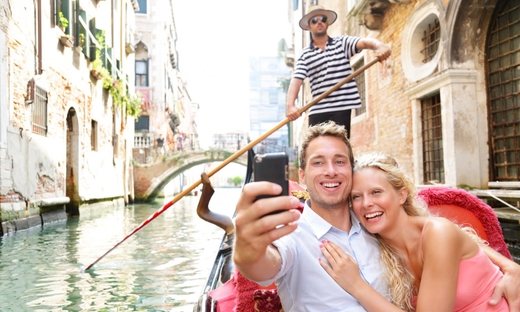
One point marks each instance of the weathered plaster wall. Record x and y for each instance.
(34, 168)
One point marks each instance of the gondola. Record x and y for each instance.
(227, 290)
(219, 293)
(222, 271)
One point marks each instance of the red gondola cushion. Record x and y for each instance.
(443, 199)
(267, 300)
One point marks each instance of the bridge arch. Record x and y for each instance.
(150, 179)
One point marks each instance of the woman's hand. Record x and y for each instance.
(342, 267)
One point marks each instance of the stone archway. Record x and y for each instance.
(503, 85)
(472, 46)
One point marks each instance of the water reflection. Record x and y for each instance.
(160, 268)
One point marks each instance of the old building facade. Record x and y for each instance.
(159, 80)
(446, 102)
(67, 101)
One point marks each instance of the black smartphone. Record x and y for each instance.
(272, 167)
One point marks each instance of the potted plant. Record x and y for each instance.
(97, 65)
(63, 22)
(67, 40)
(81, 40)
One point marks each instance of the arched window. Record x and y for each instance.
(503, 60)
(141, 65)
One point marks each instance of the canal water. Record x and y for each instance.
(160, 268)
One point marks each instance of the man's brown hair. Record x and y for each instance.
(328, 128)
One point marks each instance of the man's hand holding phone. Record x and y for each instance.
(256, 230)
(272, 167)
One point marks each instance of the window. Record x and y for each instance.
(503, 49)
(430, 39)
(421, 44)
(433, 157)
(141, 73)
(142, 6)
(94, 135)
(64, 7)
(142, 123)
(360, 81)
(39, 112)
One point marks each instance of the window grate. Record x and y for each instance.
(430, 41)
(504, 91)
(433, 158)
(39, 112)
(360, 81)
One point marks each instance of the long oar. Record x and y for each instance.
(236, 155)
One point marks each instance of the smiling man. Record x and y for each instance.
(285, 247)
(326, 61)
(265, 253)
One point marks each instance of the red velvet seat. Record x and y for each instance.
(463, 208)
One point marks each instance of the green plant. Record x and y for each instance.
(116, 87)
(81, 39)
(62, 21)
(133, 105)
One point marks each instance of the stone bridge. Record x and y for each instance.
(150, 179)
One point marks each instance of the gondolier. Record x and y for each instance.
(325, 62)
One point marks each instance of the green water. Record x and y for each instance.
(160, 268)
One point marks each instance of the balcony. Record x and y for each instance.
(370, 12)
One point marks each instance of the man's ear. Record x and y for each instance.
(301, 173)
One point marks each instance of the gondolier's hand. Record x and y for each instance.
(509, 287)
(292, 112)
(383, 52)
(253, 253)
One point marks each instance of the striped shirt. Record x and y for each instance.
(326, 68)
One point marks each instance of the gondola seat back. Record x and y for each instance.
(465, 208)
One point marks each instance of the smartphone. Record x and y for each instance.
(272, 167)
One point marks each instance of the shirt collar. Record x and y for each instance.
(320, 227)
(311, 45)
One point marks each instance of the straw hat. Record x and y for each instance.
(317, 10)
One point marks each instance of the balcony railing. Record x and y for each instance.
(143, 140)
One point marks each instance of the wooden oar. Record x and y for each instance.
(236, 155)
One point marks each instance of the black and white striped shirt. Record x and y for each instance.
(326, 68)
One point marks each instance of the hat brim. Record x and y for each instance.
(331, 17)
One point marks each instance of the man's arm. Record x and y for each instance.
(253, 254)
(509, 286)
(382, 50)
(292, 94)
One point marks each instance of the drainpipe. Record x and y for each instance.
(125, 174)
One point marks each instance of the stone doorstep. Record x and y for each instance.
(500, 193)
(507, 214)
(504, 194)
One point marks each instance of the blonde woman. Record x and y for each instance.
(430, 263)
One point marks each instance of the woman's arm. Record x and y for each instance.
(344, 270)
(443, 245)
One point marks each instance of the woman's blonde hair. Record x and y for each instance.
(399, 278)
